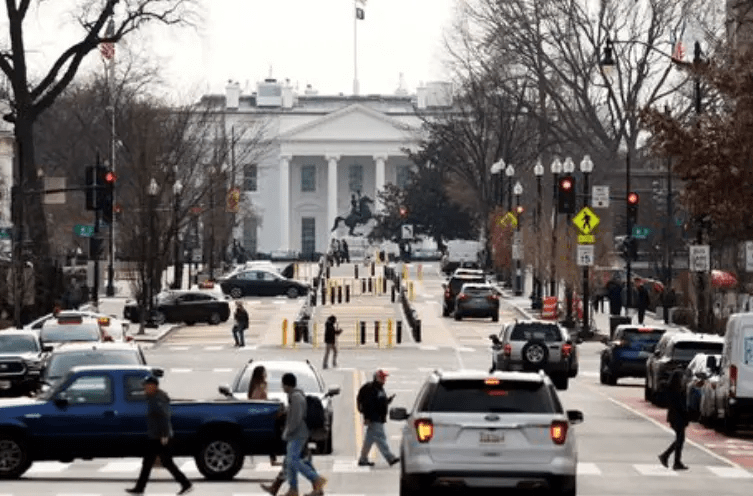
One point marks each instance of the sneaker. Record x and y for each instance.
(133, 490)
(185, 489)
(394, 461)
(365, 463)
(679, 466)
(319, 484)
(664, 459)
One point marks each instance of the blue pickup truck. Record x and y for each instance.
(100, 412)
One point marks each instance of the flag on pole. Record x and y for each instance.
(678, 47)
(107, 48)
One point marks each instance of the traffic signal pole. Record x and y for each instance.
(629, 233)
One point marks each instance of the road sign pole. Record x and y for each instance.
(586, 293)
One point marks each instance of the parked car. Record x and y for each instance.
(70, 329)
(626, 354)
(62, 360)
(476, 430)
(734, 399)
(532, 345)
(707, 411)
(116, 328)
(261, 282)
(674, 351)
(21, 358)
(699, 371)
(76, 420)
(452, 288)
(182, 306)
(477, 300)
(309, 380)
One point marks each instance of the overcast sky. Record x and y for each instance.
(306, 41)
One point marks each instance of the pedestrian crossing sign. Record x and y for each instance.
(586, 221)
(508, 219)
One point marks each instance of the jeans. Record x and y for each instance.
(676, 445)
(154, 449)
(295, 464)
(330, 348)
(238, 336)
(375, 434)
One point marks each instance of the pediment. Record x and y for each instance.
(353, 123)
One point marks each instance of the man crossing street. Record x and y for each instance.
(373, 403)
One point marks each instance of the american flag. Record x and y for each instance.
(107, 48)
(678, 53)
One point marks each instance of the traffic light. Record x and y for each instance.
(106, 180)
(403, 212)
(519, 211)
(632, 207)
(566, 195)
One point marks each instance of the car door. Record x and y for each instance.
(203, 305)
(184, 309)
(133, 415)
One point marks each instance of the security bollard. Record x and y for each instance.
(295, 271)
(420, 272)
(410, 290)
(376, 332)
(284, 332)
(393, 293)
(332, 295)
(315, 341)
(384, 285)
(339, 294)
(399, 331)
(347, 293)
(363, 286)
(378, 288)
(324, 294)
(373, 269)
(327, 271)
(389, 333)
(363, 332)
(370, 286)
(355, 269)
(417, 331)
(405, 271)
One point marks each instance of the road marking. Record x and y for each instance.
(654, 470)
(47, 467)
(588, 469)
(402, 390)
(348, 467)
(189, 466)
(180, 370)
(213, 348)
(265, 467)
(178, 348)
(466, 349)
(222, 370)
(124, 466)
(428, 348)
(730, 472)
(427, 369)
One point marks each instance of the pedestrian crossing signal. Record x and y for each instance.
(566, 195)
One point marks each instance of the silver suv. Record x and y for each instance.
(477, 430)
(532, 345)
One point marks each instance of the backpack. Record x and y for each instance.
(314, 413)
(362, 396)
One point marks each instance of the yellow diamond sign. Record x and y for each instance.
(508, 219)
(586, 221)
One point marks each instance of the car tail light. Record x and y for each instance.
(567, 348)
(493, 297)
(507, 350)
(462, 296)
(129, 339)
(732, 380)
(424, 430)
(558, 431)
(447, 294)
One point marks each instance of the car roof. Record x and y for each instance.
(129, 368)
(18, 332)
(478, 285)
(537, 321)
(73, 347)
(290, 365)
(85, 320)
(623, 327)
(468, 374)
(694, 337)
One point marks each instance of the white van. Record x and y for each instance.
(734, 394)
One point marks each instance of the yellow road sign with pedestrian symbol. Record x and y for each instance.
(586, 221)
(508, 219)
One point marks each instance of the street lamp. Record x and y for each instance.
(586, 167)
(151, 191)
(496, 170)
(568, 167)
(556, 168)
(509, 172)
(177, 274)
(538, 171)
(518, 190)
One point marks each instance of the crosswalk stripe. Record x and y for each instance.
(189, 466)
(588, 469)
(47, 467)
(654, 470)
(730, 472)
(213, 348)
(121, 466)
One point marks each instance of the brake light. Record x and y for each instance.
(106, 337)
(493, 297)
(447, 294)
(104, 321)
(492, 381)
(424, 430)
(558, 431)
(129, 339)
(462, 296)
(732, 380)
(567, 348)
(507, 350)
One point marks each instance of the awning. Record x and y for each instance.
(723, 280)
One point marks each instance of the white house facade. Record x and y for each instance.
(327, 156)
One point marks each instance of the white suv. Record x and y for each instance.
(478, 430)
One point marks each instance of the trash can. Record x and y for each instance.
(615, 320)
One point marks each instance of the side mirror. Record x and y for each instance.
(711, 362)
(47, 348)
(398, 413)
(225, 391)
(61, 401)
(333, 391)
(494, 338)
(158, 371)
(657, 353)
(579, 340)
(575, 416)
(605, 340)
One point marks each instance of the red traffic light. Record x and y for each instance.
(520, 209)
(110, 177)
(633, 198)
(566, 184)
(403, 211)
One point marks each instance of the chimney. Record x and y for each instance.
(232, 94)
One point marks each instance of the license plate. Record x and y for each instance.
(491, 437)
(5, 384)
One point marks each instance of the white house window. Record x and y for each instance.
(308, 178)
(355, 178)
(250, 179)
(403, 176)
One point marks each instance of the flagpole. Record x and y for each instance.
(355, 48)
(110, 68)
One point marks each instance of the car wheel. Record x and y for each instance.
(535, 354)
(219, 458)
(646, 391)
(606, 376)
(325, 447)
(561, 381)
(14, 457)
(458, 315)
(215, 318)
(567, 490)
(729, 423)
(189, 322)
(292, 292)
(495, 317)
(411, 485)
(445, 312)
(236, 292)
(159, 318)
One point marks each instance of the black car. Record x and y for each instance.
(21, 358)
(626, 354)
(182, 306)
(261, 282)
(452, 288)
(477, 300)
(309, 380)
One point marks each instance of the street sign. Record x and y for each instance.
(407, 231)
(699, 258)
(586, 221)
(508, 219)
(585, 255)
(640, 232)
(83, 230)
(6, 232)
(517, 252)
(586, 239)
(749, 256)
(600, 197)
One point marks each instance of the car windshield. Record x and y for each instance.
(61, 363)
(70, 332)
(686, 350)
(456, 284)
(478, 291)
(18, 344)
(307, 381)
(634, 336)
(544, 332)
(497, 396)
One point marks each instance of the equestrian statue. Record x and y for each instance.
(360, 213)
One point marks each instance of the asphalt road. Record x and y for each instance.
(618, 442)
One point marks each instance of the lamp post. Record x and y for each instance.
(177, 273)
(556, 171)
(518, 190)
(568, 167)
(509, 172)
(586, 167)
(151, 191)
(496, 170)
(538, 171)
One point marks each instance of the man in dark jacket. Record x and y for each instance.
(642, 301)
(373, 403)
(331, 331)
(677, 417)
(241, 324)
(160, 432)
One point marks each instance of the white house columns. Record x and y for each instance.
(285, 202)
(380, 180)
(331, 189)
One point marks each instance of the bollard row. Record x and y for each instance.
(394, 333)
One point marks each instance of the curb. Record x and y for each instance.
(145, 338)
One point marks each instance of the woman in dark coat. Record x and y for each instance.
(677, 416)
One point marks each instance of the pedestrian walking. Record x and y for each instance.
(331, 332)
(160, 434)
(373, 402)
(257, 390)
(241, 324)
(296, 435)
(345, 251)
(614, 293)
(677, 416)
(642, 301)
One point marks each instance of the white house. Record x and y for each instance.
(324, 152)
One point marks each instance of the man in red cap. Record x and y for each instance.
(373, 403)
